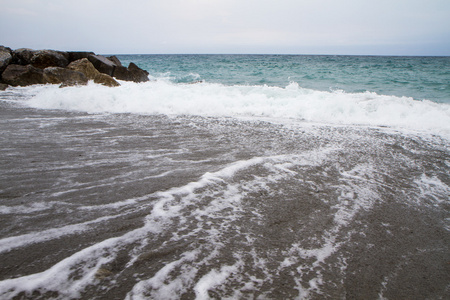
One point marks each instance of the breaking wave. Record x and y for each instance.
(217, 100)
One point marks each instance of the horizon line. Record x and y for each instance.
(281, 54)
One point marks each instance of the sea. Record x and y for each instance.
(231, 177)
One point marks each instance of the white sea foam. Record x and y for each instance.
(60, 277)
(13, 242)
(212, 279)
(433, 190)
(209, 209)
(207, 99)
(160, 287)
(29, 208)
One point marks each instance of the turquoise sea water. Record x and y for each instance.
(416, 77)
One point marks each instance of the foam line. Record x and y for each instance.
(10, 243)
(207, 99)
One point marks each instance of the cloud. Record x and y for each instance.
(180, 26)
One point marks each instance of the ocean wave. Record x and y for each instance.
(217, 100)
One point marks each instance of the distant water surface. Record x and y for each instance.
(416, 77)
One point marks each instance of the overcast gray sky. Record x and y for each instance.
(379, 27)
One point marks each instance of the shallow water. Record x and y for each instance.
(127, 206)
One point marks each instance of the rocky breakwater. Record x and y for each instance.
(23, 67)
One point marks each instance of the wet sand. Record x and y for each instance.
(314, 212)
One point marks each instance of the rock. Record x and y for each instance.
(23, 75)
(5, 58)
(84, 66)
(23, 56)
(138, 74)
(66, 56)
(76, 55)
(49, 58)
(115, 60)
(132, 73)
(87, 68)
(106, 80)
(102, 64)
(122, 73)
(24, 66)
(3, 48)
(3, 86)
(65, 76)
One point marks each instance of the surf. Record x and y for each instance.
(291, 102)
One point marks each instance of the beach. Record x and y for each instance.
(136, 196)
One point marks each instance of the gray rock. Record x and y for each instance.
(22, 56)
(132, 73)
(3, 48)
(23, 75)
(66, 56)
(49, 58)
(139, 75)
(115, 60)
(3, 86)
(122, 73)
(76, 55)
(24, 66)
(102, 64)
(5, 58)
(65, 76)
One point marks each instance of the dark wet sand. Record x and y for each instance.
(395, 250)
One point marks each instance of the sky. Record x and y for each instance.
(336, 27)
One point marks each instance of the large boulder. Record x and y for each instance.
(132, 73)
(67, 77)
(115, 60)
(84, 66)
(87, 68)
(3, 86)
(5, 58)
(139, 75)
(122, 73)
(106, 80)
(102, 64)
(76, 55)
(23, 56)
(49, 58)
(23, 75)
